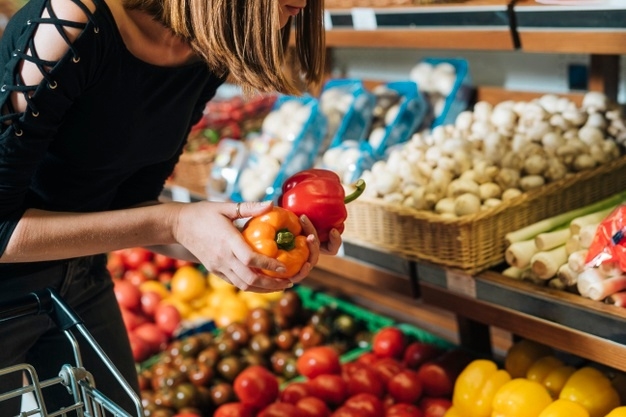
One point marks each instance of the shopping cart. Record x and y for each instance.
(86, 399)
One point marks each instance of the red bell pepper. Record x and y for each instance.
(319, 194)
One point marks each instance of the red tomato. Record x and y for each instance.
(365, 379)
(115, 264)
(416, 353)
(313, 407)
(163, 262)
(167, 317)
(403, 410)
(131, 319)
(187, 414)
(345, 411)
(152, 335)
(389, 342)
(367, 358)
(405, 387)
(318, 360)
(280, 410)
(293, 392)
(233, 410)
(134, 257)
(140, 349)
(127, 295)
(329, 388)
(256, 386)
(149, 269)
(434, 407)
(135, 277)
(150, 302)
(369, 404)
(387, 368)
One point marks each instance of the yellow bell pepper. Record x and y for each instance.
(453, 412)
(520, 397)
(617, 412)
(593, 390)
(522, 355)
(476, 386)
(564, 408)
(551, 372)
(556, 379)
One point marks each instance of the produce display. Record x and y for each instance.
(495, 153)
(573, 251)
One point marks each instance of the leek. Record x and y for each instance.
(518, 254)
(545, 264)
(589, 219)
(560, 220)
(550, 240)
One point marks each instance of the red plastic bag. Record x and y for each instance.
(609, 242)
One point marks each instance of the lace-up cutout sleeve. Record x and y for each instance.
(43, 72)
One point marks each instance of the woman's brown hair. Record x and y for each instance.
(240, 38)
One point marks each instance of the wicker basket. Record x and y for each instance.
(474, 242)
(193, 169)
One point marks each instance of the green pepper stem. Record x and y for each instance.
(285, 240)
(359, 187)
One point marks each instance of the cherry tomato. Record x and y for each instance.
(280, 410)
(233, 410)
(403, 410)
(389, 342)
(367, 358)
(434, 406)
(293, 392)
(164, 262)
(256, 386)
(313, 407)
(127, 294)
(318, 360)
(387, 368)
(345, 411)
(416, 353)
(405, 387)
(133, 257)
(365, 379)
(330, 388)
(368, 404)
(167, 317)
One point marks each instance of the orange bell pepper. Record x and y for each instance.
(278, 234)
(476, 386)
(520, 397)
(564, 408)
(522, 355)
(593, 390)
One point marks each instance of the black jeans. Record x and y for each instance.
(85, 284)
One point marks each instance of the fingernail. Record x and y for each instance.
(290, 285)
(303, 218)
(281, 269)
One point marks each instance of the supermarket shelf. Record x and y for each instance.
(568, 322)
(475, 24)
(593, 29)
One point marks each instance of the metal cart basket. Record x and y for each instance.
(79, 382)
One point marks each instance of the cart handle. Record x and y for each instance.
(46, 301)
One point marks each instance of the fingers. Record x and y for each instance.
(333, 245)
(246, 209)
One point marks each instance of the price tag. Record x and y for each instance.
(328, 22)
(364, 19)
(180, 194)
(460, 282)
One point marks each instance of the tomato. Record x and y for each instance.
(127, 295)
(134, 257)
(313, 407)
(434, 407)
(368, 404)
(115, 264)
(329, 388)
(149, 269)
(293, 392)
(131, 319)
(149, 302)
(387, 368)
(256, 386)
(389, 342)
(280, 410)
(365, 379)
(163, 262)
(416, 353)
(167, 317)
(152, 335)
(405, 387)
(403, 410)
(345, 411)
(367, 358)
(233, 410)
(318, 360)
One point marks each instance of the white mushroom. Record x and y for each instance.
(467, 203)
(529, 182)
(489, 190)
(595, 101)
(511, 193)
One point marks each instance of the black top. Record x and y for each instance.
(104, 129)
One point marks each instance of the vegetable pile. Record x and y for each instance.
(495, 153)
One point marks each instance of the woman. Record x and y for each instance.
(97, 99)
